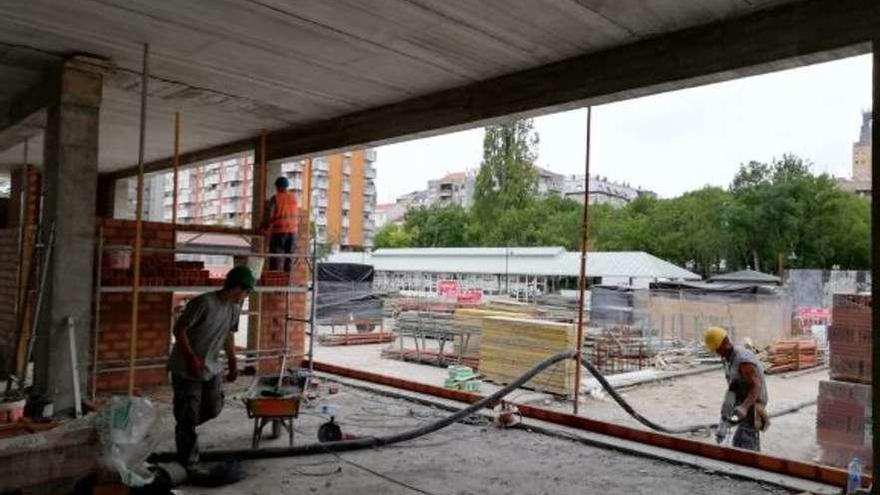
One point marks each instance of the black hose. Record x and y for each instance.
(370, 442)
(489, 401)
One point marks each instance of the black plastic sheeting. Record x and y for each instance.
(345, 294)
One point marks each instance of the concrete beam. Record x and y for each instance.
(25, 115)
(788, 36)
(70, 173)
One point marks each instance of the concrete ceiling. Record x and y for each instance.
(234, 67)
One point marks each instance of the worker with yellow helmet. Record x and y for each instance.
(746, 397)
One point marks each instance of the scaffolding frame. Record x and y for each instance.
(310, 258)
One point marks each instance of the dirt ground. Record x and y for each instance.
(465, 458)
(674, 402)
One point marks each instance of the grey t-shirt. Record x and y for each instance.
(208, 320)
(741, 355)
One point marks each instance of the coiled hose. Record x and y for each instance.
(372, 441)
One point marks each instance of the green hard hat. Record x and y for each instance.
(240, 276)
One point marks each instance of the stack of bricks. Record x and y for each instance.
(843, 421)
(154, 309)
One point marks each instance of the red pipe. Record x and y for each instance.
(798, 469)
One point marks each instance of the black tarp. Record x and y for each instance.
(345, 294)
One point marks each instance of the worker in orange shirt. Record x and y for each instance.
(282, 221)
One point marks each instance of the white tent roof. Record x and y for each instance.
(554, 261)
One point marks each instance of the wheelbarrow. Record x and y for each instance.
(275, 400)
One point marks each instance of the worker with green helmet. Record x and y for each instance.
(205, 327)
(745, 401)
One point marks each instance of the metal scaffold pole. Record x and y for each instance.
(582, 280)
(313, 306)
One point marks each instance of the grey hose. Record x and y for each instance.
(370, 442)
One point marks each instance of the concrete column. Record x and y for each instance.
(70, 164)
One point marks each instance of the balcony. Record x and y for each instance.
(231, 208)
(346, 186)
(321, 221)
(345, 222)
(369, 172)
(346, 205)
(370, 154)
(320, 165)
(211, 195)
(232, 192)
(320, 202)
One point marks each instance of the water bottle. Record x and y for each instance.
(854, 480)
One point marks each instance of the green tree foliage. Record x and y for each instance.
(781, 210)
(392, 236)
(507, 178)
(438, 226)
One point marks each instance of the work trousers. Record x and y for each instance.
(747, 437)
(281, 244)
(195, 402)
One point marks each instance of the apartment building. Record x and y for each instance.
(221, 193)
(861, 161)
(343, 201)
(602, 191)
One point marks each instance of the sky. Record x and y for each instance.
(674, 142)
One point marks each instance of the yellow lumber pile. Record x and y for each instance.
(512, 306)
(512, 346)
(469, 322)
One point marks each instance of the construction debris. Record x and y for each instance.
(356, 338)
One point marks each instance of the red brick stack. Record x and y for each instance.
(272, 320)
(843, 422)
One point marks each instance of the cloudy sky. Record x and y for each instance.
(675, 142)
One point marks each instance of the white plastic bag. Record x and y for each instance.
(128, 429)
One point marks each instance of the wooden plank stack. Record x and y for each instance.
(790, 355)
(843, 418)
(512, 346)
(469, 322)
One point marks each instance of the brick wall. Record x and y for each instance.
(8, 299)
(13, 266)
(843, 417)
(154, 310)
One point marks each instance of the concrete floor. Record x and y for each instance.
(674, 402)
(473, 458)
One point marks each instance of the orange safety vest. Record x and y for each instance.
(284, 216)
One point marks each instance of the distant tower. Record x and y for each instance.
(861, 166)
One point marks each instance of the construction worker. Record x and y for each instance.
(745, 401)
(282, 220)
(204, 328)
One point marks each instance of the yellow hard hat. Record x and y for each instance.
(713, 337)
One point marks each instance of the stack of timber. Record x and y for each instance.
(468, 322)
(512, 346)
(790, 355)
(512, 306)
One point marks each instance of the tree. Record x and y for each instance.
(781, 210)
(507, 179)
(392, 236)
(438, 226)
